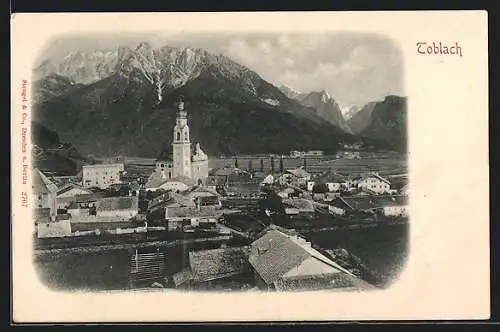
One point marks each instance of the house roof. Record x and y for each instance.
(41, 183)
(276, 253)
(301, 204)
(182, 200)
(208, 199)
(248, 187)
(192, 212)
(64, 216)
(374, 175)
(83, 198)
(331, 178)
(119, 165)
(68, 186)
(226, 171)
(299, 172)
(218, 263)
(215, 180)
(117, 203)
(159, 200)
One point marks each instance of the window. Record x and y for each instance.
(178, 136)
(186, 136)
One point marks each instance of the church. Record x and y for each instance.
(185, 166)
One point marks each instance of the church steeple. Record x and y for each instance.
(181, 143)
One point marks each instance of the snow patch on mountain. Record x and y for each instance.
(270, 101)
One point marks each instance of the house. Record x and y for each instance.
(216, 183)
(208, 266)
(404, 190)
(67, 193)
(243, 189)
(185, 207)
(208, 201)
(101, 175)
(314, 153)
(296, 177)
(117, 208)
(41, 215)
(286, 192)
(286, 262)
(333, 181)
(44, 192)
(296, 154)
(59, 227)
(83, 205)
(268, 180)
(385, 205)
(374, 183)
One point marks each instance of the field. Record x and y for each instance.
(384, 163)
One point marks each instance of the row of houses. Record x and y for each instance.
(370, 182)
(278, 260)
(389, 205)
(56, 209)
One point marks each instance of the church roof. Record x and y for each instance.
(156, 180)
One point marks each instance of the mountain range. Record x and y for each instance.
(122, 101)
(381, 122)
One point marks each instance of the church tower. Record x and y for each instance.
(181, 145)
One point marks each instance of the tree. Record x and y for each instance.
(262, 165)
(236, 163)
(320, 188)
(281, 165)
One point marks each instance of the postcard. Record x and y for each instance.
(271, 166)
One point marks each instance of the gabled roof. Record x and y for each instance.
(214, 200)
(84, 198)
(214, 180)
(301, 204)
(70, 185)
(218, 263)
(276, 253)
(299, 172)
(117, 203)
(182, 200)
(331, 178)
(249, 187)
(41, 183)
(159, 201)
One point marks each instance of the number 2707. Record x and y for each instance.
(24, 199)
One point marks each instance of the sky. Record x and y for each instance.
(353, 68)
